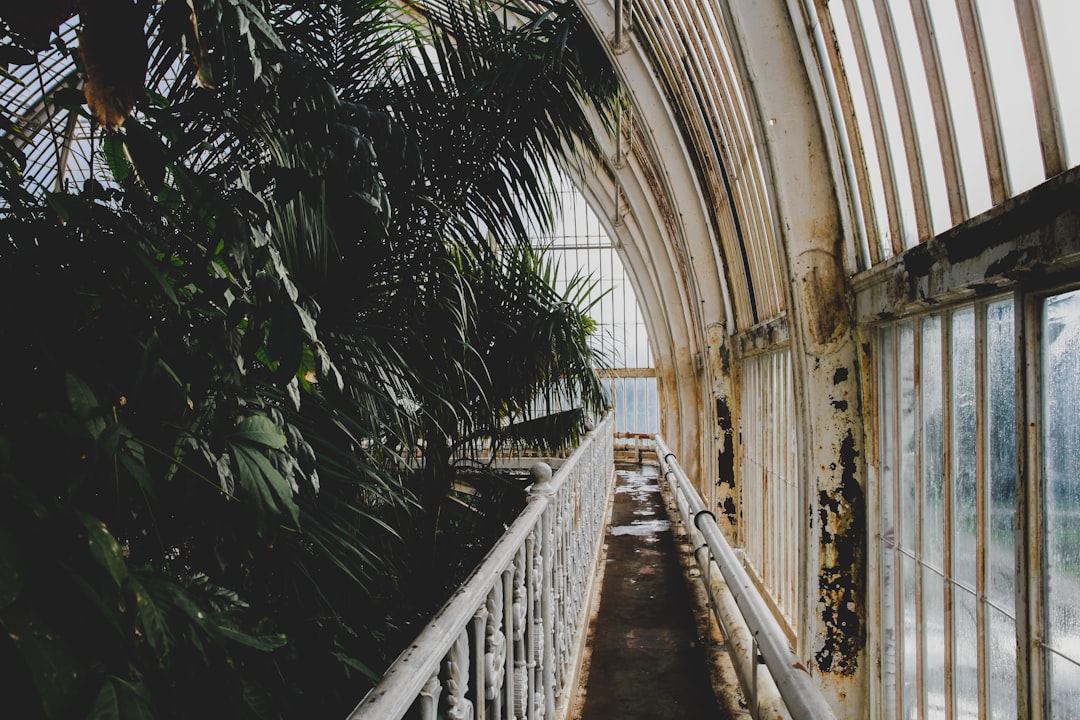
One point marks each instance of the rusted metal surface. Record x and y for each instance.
(1030, 239)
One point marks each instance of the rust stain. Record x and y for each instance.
(841, 582)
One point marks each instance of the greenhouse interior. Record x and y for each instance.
(339, 332)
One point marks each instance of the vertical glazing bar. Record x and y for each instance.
(1030, 582)
(1047, 110)
(916, 171)
(855, 165)
(946, 133)
(989, 120)
(877, 124)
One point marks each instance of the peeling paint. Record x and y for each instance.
(725, 461)
(840, 405)
(842, 576)
(840, 375)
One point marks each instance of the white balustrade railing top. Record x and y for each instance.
(508, 643)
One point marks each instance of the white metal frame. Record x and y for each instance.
(509, 643)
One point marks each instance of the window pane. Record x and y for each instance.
(934, 643)
(965, 116)
(963, 441)
(933, 449)
(1061, 470)
(1061, 357)
(910, 669)
(1002, 641)
(965, 656)
(907, 437)
(1012, 91)
(1061, 18)
(887, 413)
(1001, 454)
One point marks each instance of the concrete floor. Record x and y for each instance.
(654, 651)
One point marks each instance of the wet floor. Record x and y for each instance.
(648, 657)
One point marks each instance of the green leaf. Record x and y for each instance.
(120, 700)
(146, 153)
(85, 405)
(113, 147)
(10, 577)
(267, 643)
(105, 548)
(266, 483)
(152, 619)
(259, 430)
(51, 664)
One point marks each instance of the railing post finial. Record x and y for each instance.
(541, 473)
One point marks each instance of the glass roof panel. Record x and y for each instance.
(1012, 90)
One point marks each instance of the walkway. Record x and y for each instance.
(651, 639)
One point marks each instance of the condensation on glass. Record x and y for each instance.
(946, 502)
(770, 478)
(1061, 499)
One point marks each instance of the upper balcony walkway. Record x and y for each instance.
(654, 651)
(613, 595)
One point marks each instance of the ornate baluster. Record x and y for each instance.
(457, 681)
(495, 656)
(521, 600)
(479, 661)
(429, 698)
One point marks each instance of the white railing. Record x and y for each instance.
(783, 688)
(508, 644)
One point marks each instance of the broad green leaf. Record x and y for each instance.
(267, 483)
(85, 405)
(259, 430)
(52, 666)
(113, 148)
(105, 548)
(120, 700)
(146, 153)
(151, 617)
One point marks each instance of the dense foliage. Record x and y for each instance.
(245, 355)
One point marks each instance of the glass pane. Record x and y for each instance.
(965, 656)
(933, 643)
(965, 116)
(923, 111)
(1061, 471)
(886, 420)
(1001, 454)
(1002, 642)
(891, 117)
(907, 436)
(933, 449)
(1065, 689)
(1012, 90)
(910, 668)
(963, 441)
(1060, 20)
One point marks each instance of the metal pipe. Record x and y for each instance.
(801, 696)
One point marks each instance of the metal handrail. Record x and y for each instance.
(508, 642)
(801, 696)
